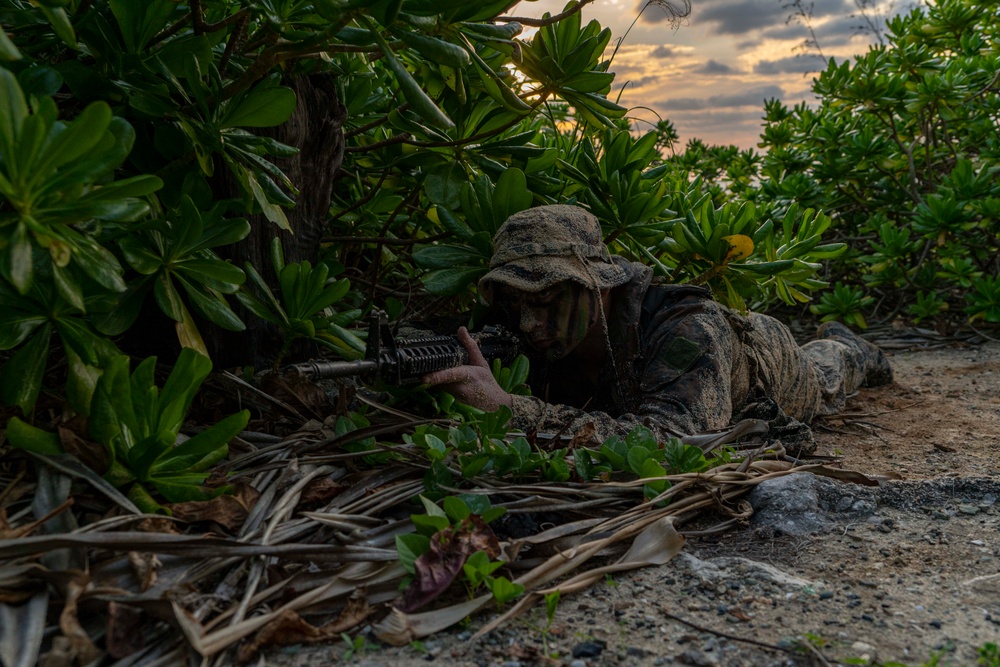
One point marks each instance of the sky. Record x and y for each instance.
(710, 74)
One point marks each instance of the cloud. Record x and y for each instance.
(801, 64)
(660, 11)
(750, 97)
(635, 83)
(738, 17)
(664, 51)
(714, 67)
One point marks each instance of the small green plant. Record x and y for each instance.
(928, 304)
(355, 647)
(984, 299)
(441, 550)
(306, 294)
(139, 423)
(639, 453)
(989, 655)
(478, 570)
(504, 590)
(844, 303)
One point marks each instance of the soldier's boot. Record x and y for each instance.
(876, 365)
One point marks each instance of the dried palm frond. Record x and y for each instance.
(76, 540)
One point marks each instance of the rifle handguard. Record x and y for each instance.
(407, 360)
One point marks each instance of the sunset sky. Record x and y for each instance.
(710, 74)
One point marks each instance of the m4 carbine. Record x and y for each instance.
(402, 361)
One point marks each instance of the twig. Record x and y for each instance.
(726, 635)
(397, 139)
(539, 23)
(856, 415)
(375, 123)
(980, 333)
(363, 200)
(385, 240)
(814, 652)
(171, 30)
(263, 394)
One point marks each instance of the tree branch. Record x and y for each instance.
(385, 240)
(539, 23)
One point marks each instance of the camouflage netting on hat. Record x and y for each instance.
(539, 247)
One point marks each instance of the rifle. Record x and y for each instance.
(406, 360)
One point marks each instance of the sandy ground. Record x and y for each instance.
(914, 575)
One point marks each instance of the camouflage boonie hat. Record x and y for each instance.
(539, 247)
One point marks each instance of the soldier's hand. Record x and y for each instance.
(473, 384)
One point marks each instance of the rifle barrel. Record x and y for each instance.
(324, 370)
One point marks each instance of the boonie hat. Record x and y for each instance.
(541, 246)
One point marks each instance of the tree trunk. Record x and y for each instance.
(316, 129)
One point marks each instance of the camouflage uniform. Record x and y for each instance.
(678, 362)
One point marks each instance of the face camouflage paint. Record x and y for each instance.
(558, 319)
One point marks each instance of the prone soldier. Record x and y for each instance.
(612, 348)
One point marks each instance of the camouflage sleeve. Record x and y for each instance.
(685, 383)
(534, 414)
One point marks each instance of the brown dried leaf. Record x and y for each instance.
(158, 525)
(125, 630)
(319, 492)
(583, 437)
(144, 565)
(79, 644)
(290, 628)
(228, 511)
(438, 567)
(296, 390)
(91, 454)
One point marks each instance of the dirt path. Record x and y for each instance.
(900, 573)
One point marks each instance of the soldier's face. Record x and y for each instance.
(555, 320)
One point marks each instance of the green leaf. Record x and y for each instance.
(429, 525)
(217, 436)
(8, 51)
(32, 439)
(504, 590)
(21, 377)
(435, 49)
(13, 111)
(20, 262)
(139, 22)
(455, 508)
(167, 297)
(410, 547)
(188, 373)
(271, 211)
(79, 137)
(511, 195)
(448, 256)
(448, 282)
(186, 488)
(262, 107)
(414, 94)
(59, 19)
(16, 326)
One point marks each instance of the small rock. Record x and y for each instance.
(512, 663)
(697, 658)
(578, 663)
(589, 649)
(864, 651)
(936, 624)
(968, 509)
